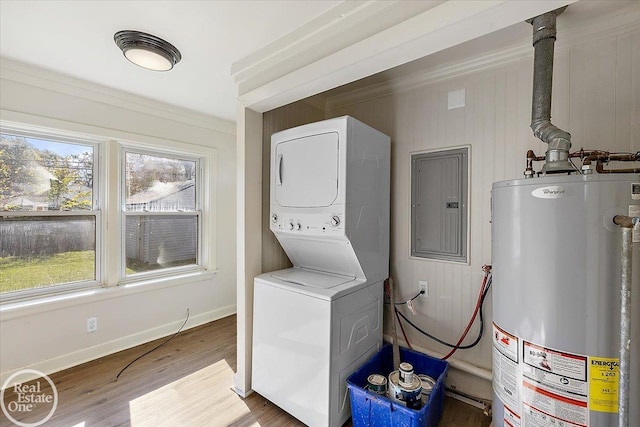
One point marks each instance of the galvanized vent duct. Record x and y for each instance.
(559, 141)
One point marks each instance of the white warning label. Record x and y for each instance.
(505, 343)
(511, 419)
(554, 387)
(543, 408)
(556, 362)
(506, 382)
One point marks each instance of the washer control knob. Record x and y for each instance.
(274, 218)
(335, 220)
(291, 226)
(298, 227)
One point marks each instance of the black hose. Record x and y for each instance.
(459, 347)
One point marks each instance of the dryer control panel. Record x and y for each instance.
(310, 224)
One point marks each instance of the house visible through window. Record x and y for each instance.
(55, 229)
(161, 212)
(49, 220)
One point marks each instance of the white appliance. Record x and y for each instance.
(556, 300)
(316, 323)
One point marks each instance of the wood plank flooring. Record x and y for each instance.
(186, 382)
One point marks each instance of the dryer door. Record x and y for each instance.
(305, 171)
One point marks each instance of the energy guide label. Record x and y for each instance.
(604, 374)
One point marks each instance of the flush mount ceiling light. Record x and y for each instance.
(147, 51)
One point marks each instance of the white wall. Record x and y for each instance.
(50, 335)
(596, 97)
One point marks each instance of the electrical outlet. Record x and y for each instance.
(92, 324)
(423, 287)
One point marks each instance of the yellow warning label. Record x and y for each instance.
(603, 384)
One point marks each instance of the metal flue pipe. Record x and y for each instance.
(559, 141)
(627, 224)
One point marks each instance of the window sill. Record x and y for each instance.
(12, 310)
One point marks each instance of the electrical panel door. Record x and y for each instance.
(439, 205)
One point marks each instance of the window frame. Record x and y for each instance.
(199, 212)
(61, 136)
(108, 200)
(463, 256)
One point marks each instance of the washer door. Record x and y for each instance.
(305, 171)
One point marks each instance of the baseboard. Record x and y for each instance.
(79, 357)
(241, 393)
(485, 406)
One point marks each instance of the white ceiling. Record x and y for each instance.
(76, 38)
(281, 51)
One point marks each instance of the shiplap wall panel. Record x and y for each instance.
(634, 141)
(624, 96)
(596, 98)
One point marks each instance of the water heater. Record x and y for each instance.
(556, 300)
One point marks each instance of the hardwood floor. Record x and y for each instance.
(186, 382)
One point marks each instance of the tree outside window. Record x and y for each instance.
(48, 217)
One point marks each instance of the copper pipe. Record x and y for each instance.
(597, 156)
(600, 169)
(611, 158)
(600, 157)
(625, 221)
(531, 157)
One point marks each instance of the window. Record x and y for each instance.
(58, 223)
(439, 181)
(49, 220)
(161, 212)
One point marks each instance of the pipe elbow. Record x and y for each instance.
(551, 134)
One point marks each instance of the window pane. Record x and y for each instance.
(155, 242)
(42, 175)
(159, 184)
(36, 252)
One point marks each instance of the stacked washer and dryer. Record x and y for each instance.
(315, 323)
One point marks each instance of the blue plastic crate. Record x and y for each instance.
(371, 409)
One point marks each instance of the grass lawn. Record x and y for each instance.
(17, 273)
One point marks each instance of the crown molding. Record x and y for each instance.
(20, 72)
(619, 23)
(373, 37)
(344, 24)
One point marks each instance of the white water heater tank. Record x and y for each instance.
(556, 300)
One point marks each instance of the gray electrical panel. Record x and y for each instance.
(439, 204)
